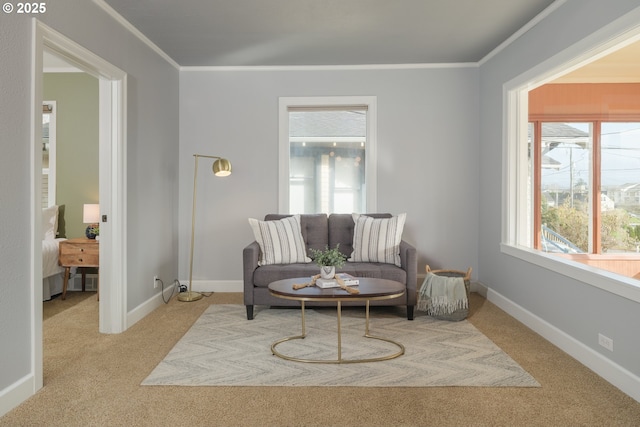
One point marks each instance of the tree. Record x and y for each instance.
(615, 231)
(573, 224)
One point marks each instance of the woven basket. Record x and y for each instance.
(461, 313)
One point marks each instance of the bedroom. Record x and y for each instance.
(70, 166)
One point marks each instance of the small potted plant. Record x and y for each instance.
(92, 231)
(328, 260)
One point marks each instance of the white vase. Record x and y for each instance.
(327, 271)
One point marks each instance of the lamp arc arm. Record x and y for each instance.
(208, 157)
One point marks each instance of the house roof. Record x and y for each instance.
(329, 32)
(561, 130)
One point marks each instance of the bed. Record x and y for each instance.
(52, 273)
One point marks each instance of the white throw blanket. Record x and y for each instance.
(442, 295)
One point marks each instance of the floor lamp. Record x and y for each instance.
(221, 167)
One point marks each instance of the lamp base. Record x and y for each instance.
(189, 296)
(90, 232)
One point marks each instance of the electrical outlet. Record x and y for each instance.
(155, 282)
(606, 342)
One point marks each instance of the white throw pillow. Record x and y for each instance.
(377, 239)
(49, 223)
(280, 241)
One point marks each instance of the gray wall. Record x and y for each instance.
(152, 167)
(152, 134)
(575, 308)
(15, 227)
(427, 156)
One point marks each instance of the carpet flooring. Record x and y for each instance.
(223, 348)
(93, 379)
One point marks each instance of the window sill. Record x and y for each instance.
(625, 287)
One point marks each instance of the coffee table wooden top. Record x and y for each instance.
(370, 289)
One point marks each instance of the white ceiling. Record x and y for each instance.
(327, 32)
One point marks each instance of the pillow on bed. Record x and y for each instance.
(49, 223)
(377, 239)
(280, 241)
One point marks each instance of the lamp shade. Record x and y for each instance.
(91, 213)
(222, 167)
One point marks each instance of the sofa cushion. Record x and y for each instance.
(375, 270)
(313, 227)
(280, 241)
(377, 239)
(264, 275)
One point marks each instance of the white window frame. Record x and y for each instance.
(51, 170)
(332, 101)
(516, 209)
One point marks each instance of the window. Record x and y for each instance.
(580, 151)
(327, 149)
(48, 154)
(586, 197)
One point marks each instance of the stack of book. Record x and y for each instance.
(345, 278)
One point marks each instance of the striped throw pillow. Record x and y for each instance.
(377, 239)
(280, 241)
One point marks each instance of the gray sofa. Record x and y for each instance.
(318, 232)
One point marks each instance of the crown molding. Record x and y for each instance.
(129, 26)
(330, 67)
(529, 25)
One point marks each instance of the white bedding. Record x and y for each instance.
(50, 257)
(51, 272)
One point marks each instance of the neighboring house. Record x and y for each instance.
(606, 203)
(627, 194)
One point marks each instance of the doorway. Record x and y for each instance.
(112, 179)
(69, 175)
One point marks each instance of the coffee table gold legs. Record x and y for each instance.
(339, 332)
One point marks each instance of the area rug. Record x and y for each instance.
(223, 348)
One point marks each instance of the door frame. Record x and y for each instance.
(112, 89)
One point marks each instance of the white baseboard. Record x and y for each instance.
(149, 305)
(479, 288)
(16, 393)
(615, 374)
(156, 301)
(216, 285)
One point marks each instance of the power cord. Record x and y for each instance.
(175, 287)
(180, 288)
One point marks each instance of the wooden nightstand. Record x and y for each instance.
(79, 253)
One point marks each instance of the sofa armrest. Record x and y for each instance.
(409, 261)
(250, 256)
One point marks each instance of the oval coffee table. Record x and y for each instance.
(369, 290)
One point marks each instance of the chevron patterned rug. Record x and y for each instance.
(223, 348)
